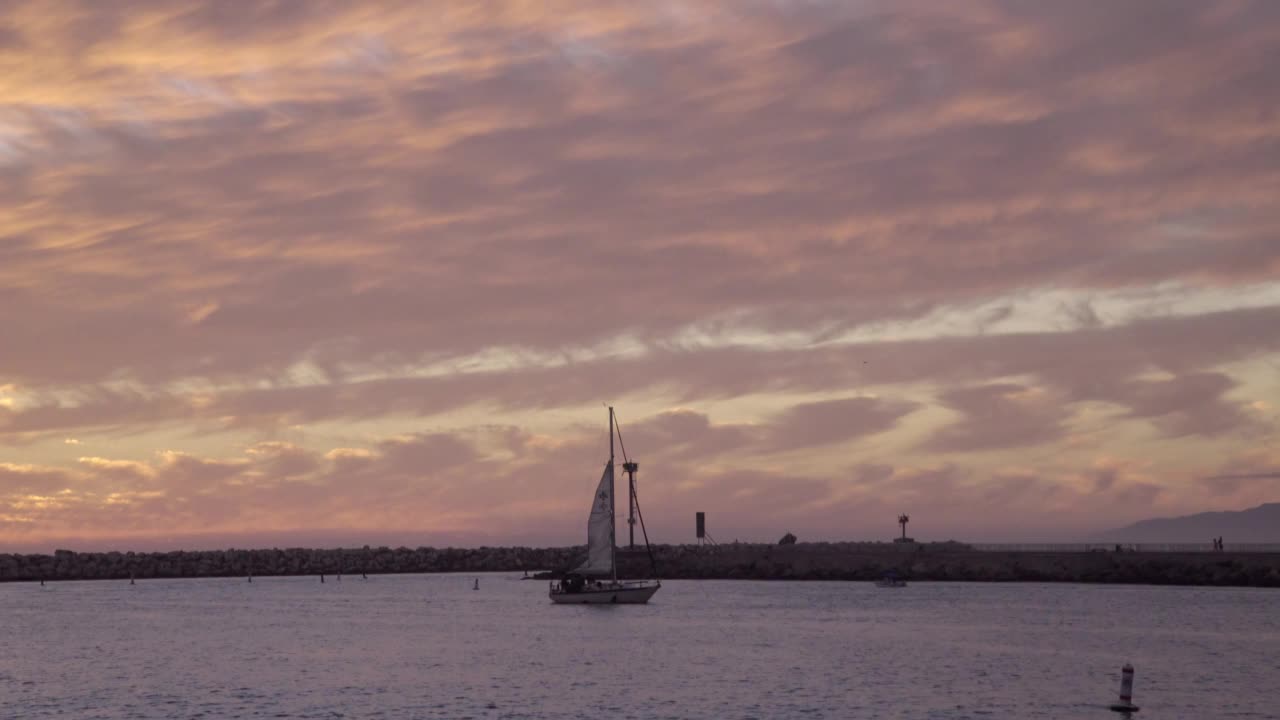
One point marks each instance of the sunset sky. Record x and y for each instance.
(278, 273)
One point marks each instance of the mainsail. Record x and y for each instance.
(600, 529)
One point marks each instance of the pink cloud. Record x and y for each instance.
(1000, 416)
(306, 221)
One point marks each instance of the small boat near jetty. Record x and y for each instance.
(595, 581)
(891, 580)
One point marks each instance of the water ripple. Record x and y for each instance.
(399, 647)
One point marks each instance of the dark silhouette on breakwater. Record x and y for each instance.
(800, 561)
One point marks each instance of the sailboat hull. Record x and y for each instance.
(609, 594)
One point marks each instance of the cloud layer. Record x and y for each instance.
(285, 267)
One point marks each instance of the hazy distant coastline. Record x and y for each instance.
(1259, 524)
(802, 561)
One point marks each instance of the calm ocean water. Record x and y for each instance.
(431, 647)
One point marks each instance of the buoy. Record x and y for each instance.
(1125, 704)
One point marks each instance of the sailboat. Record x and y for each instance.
(596, 581)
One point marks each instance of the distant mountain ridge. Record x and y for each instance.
(1259, 524)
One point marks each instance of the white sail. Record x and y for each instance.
(600, 529)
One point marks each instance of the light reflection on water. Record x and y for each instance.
(415, 646)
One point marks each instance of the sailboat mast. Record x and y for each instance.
(613, 529)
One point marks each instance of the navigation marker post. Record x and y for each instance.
(1125, 705)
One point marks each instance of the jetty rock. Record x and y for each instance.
(947, 561)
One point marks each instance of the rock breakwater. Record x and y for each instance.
(959, 562)
(801, 561)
